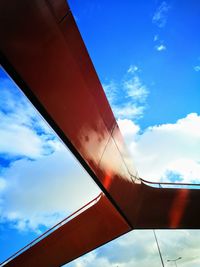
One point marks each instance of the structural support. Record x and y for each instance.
(42, 50)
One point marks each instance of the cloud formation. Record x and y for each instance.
(135, 89)
(138, 248)
(132, 69)
(41, 182)
(128, 96)
(30, 183)
(22, 130)
(128, 250)
(44, 191)
(160, 47)
(130, 110)
(162, 150)
(160, 15)
(197, 68)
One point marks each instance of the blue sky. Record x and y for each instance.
(120, 34)
(147, 56)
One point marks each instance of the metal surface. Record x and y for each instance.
(50, 230)
(168, 208)
(41, 48)
(91, 228)
(51, 65)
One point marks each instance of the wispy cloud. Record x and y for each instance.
(127, 96)
(156, 38)
(197, 68)
(160, 44)
(132, 69)
(135, 89)
(111, 90)
(160, 15)
(160, 47)
(129, 111)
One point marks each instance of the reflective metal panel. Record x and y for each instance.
(41, 182)
(89, 229)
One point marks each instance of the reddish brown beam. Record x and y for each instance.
(42, 50)
(47, 57)
(168, 208)
(92, 228)
(50, 63)
(59, 8)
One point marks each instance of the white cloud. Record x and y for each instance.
(44, 191)
(160, 47)
(128, 250)
(135, 89)
(138, 248)
(22, 131)
(42, 183)
(19, 140)
(197, 68)
(110, 90)
(2, 184)
(92, 260)
(160, 15)
(128, 111)
(130, 129)
(184, 243)
(127, 97)
(166, 148)
(132, 69)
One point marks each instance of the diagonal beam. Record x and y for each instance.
(76, 237)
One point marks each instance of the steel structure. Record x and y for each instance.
(42, 50)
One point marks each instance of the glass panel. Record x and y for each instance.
(41, 182)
